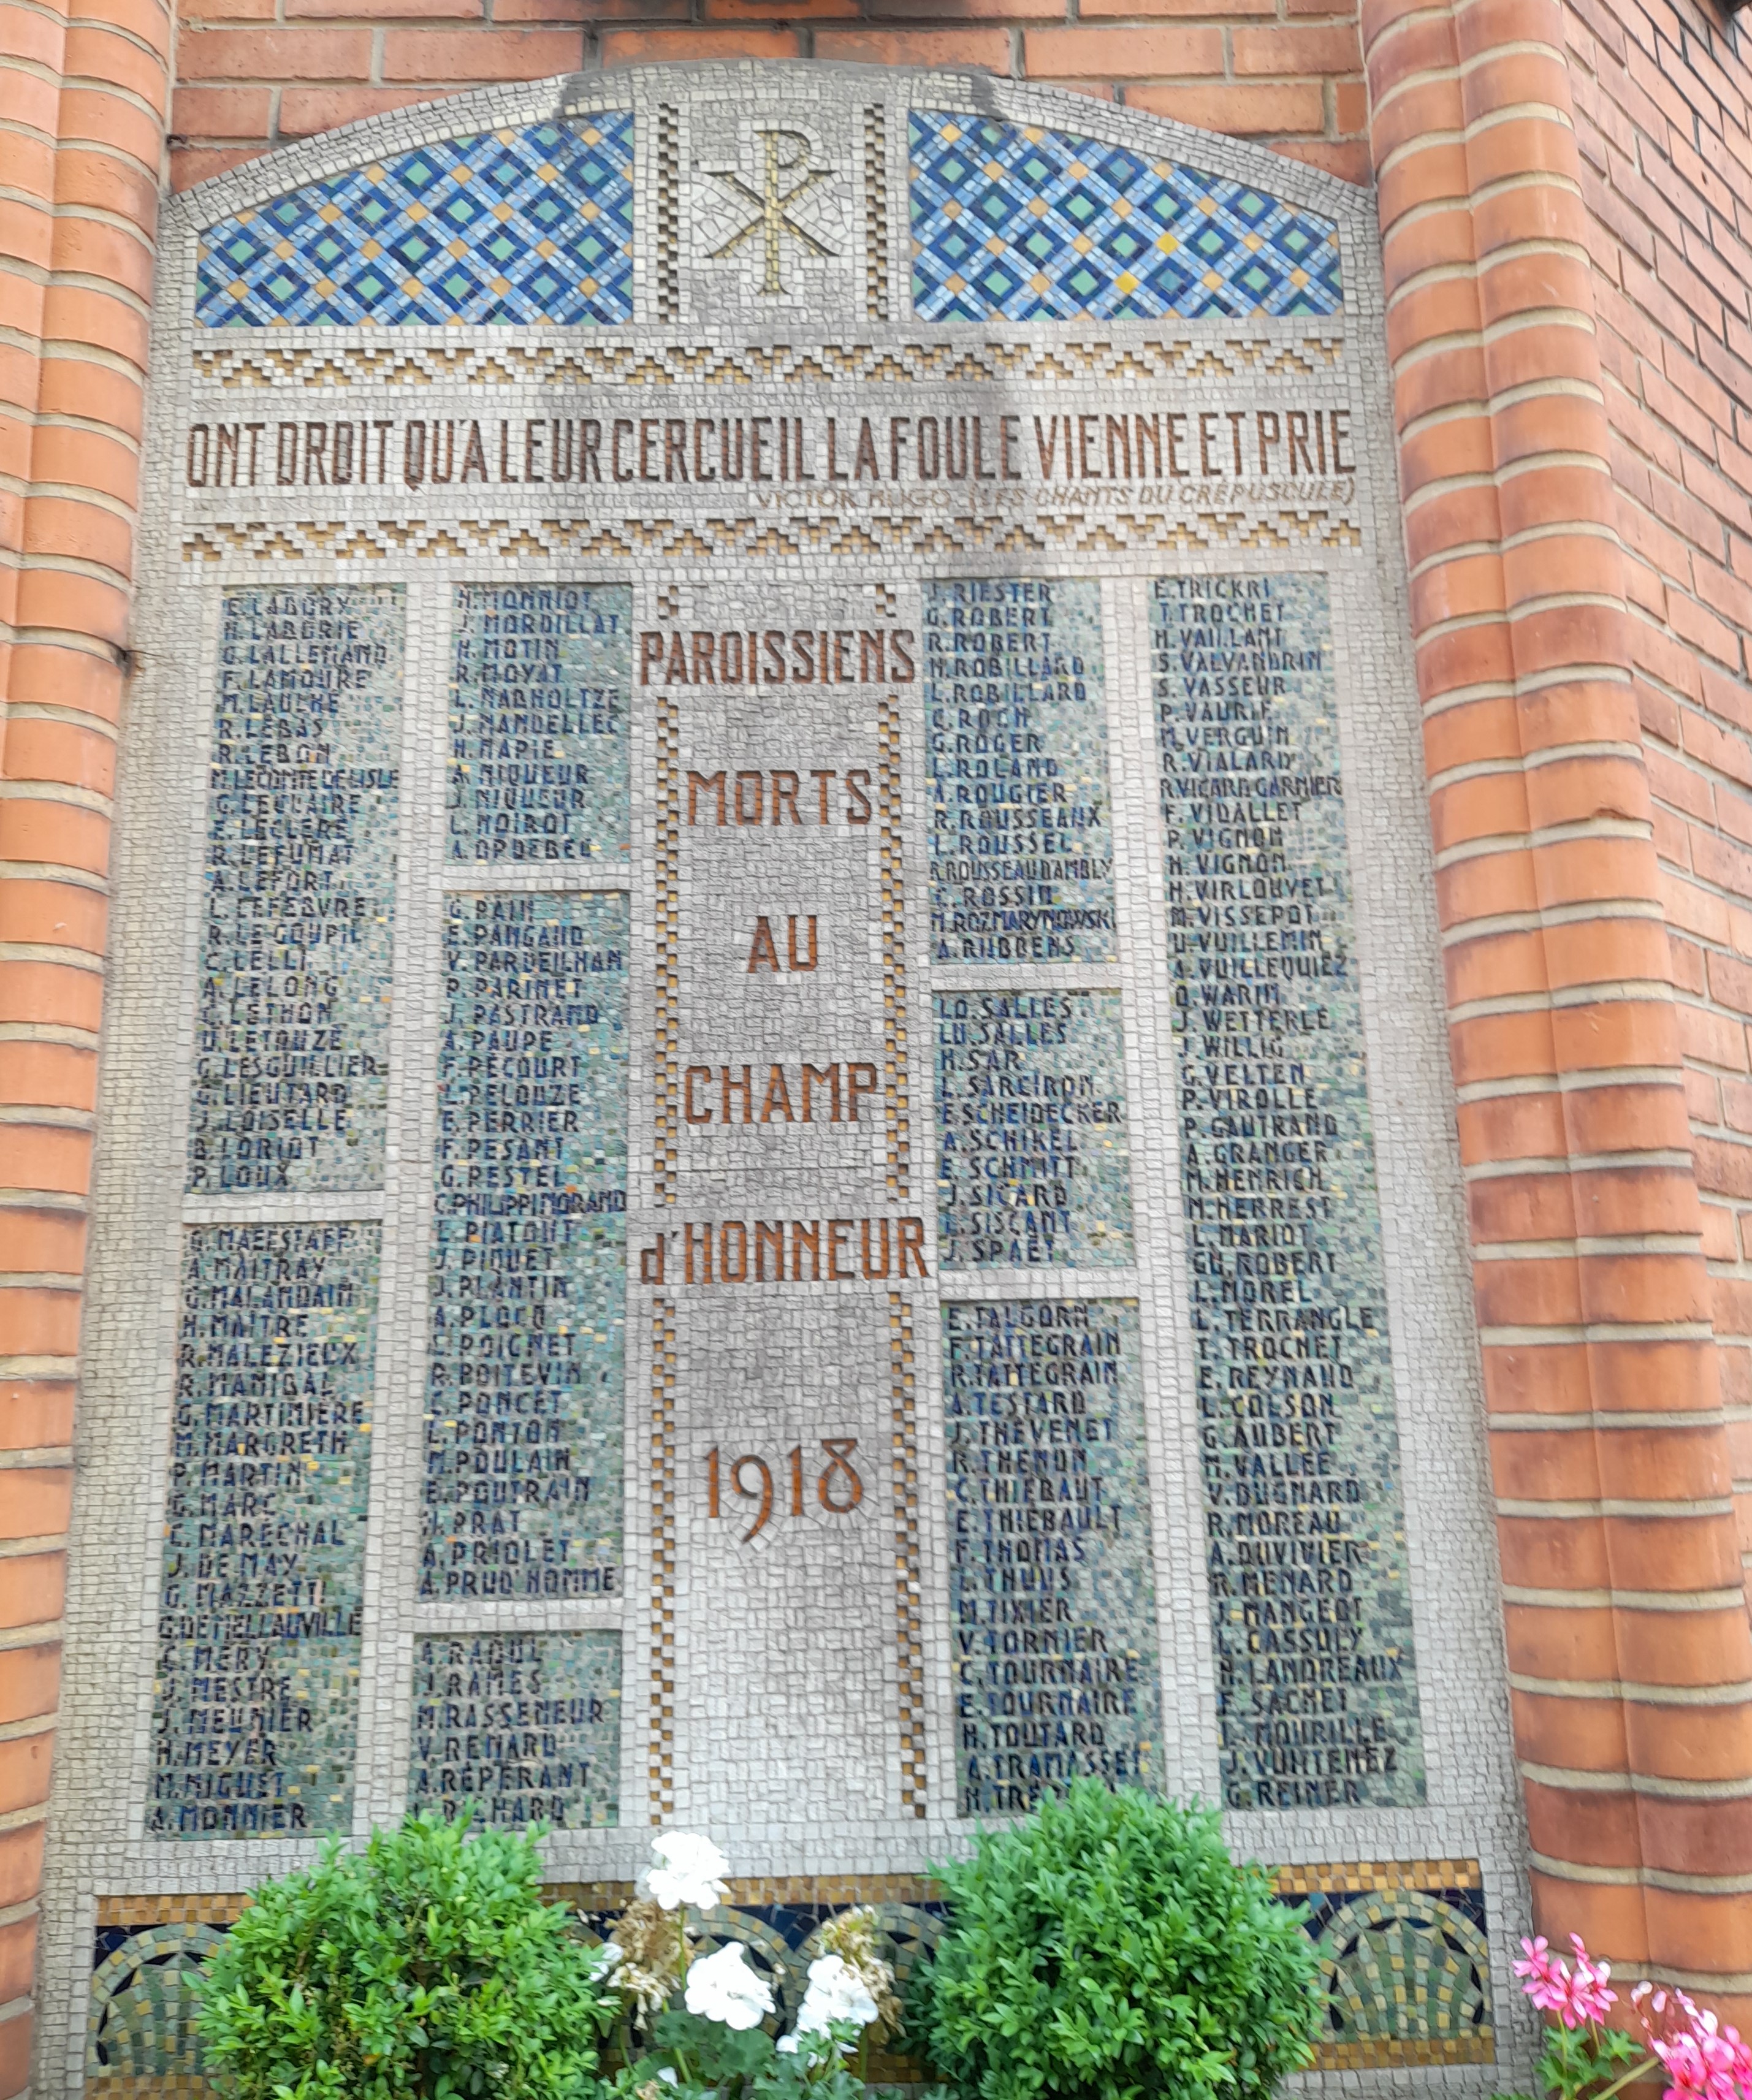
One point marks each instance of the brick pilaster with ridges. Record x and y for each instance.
(82, 91)
(1630, 1656)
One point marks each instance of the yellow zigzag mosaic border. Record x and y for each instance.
(458, 539)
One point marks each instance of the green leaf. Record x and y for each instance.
(426, 1967)
(1109, 1948)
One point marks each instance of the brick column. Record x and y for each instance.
(1629, 1652)
(82, 87)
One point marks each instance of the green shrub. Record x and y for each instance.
(1108, 1948)
(426, 1966)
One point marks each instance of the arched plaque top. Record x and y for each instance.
(526, 225)
(1017, 222)
(735, 200)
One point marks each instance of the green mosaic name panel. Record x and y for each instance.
(523, 1727)
(1034, 1169)
(1052, 1594)
(523, 1430)
(539, 724)
(291, 1077)
(1310, 1598)
(255, 1721)
(1016, 746)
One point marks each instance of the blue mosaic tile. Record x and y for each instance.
(1016, 745)
(259, 1618)
(522, 1727)
(1051, 1588)
(291, 1081)
(1013, 223)
(522, 1495)
(1034, 1168)
(538, 722)
(1299, 1445)
(530, 225)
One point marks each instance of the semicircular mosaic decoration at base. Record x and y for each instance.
(1407, 1974)
(1404, 1951)
(141, 2036)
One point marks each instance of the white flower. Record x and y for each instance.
(722, 1987)
(687, 1872)
(835, 1992)
(609, 1957)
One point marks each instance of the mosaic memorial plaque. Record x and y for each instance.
(292, 1068)
(1052, 1601)
(1316, 1678)
(521, 1728)
(885, 1308)
(538, 723)
(1021, 845)
(1034, 1169)
(259, 1612)
(524, 1406)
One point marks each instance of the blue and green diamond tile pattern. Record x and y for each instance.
(1013, 223)
(525, 227)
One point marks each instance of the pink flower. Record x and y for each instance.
(1703, 2060)
(1579, 2000)
(1589, 1998)
(1545, 1979)
(1684, 2064)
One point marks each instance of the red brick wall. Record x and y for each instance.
(1625, 1610)
(1663, 95)
(252, 74)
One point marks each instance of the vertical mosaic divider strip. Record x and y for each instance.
(875, 215)
(908, 1602)
(669, 213)
(893, 861)
(1051, 1592)
(255, 1722)
(291, 1074)
(661, 1755)
(667, 1077)
(1306, 1533)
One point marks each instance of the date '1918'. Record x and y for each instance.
(839, 1487)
